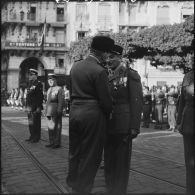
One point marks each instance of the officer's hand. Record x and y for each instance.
(134, 133)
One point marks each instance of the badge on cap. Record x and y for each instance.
(33, 71)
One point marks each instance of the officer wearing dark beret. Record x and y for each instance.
(53, 112)
(91, 104)
(34, 101)
(123, 124)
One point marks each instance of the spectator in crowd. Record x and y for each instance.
(54, 107)
(185, 122)
(153, 91)
(67, 100)
(172, 98)
(11, 97)
(25, 94)
(21, 98)
(147, 106)
(16, 101)
(159, 107)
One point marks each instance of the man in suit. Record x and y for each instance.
(91, 104)
(34, 101)
(124, 122)
(54, 107)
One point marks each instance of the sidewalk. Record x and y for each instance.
(157, 164)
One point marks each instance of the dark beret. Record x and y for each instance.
(33, 71)
(102, 43)
(51, 76)
(117, 50)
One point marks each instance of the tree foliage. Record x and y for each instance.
(163, 44)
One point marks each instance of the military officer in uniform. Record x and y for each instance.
(123, 124)
(91, 104)
(172, 97)
(159, 97)
(185, 122)
(53, 111)
(34, 106)
(147, 107)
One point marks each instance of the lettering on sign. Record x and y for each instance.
(26, 44)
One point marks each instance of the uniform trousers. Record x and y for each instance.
(189, 153)
(146, 114)
(171, 114)
(54, 129)
(87, 127)
(34, 121)
(117, 156)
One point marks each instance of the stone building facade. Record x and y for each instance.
(23, 22)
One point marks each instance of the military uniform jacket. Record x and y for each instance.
(186, 105)
(126, 90)
(89, 80)
(55, 98)
(34, 98)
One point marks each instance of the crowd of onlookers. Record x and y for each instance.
(160, 106)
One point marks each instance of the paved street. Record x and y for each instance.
(157, 164)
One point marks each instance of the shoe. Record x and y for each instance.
(48, 145)
(56, 146)
(170, 129)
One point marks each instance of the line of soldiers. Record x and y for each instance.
(17, 98)
(156, 104)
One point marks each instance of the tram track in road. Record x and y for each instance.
(42, 169)
(159, 179)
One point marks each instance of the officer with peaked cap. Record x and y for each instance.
(91, 103)
(34, 101)
(54, 107)
(123, 124)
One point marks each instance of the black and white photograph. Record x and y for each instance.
(97, 97)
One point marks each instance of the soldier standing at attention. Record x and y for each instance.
(147, 107)
(185, 122)
(34, 106)
(54, 107)
(91, 104)
(124, 122)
